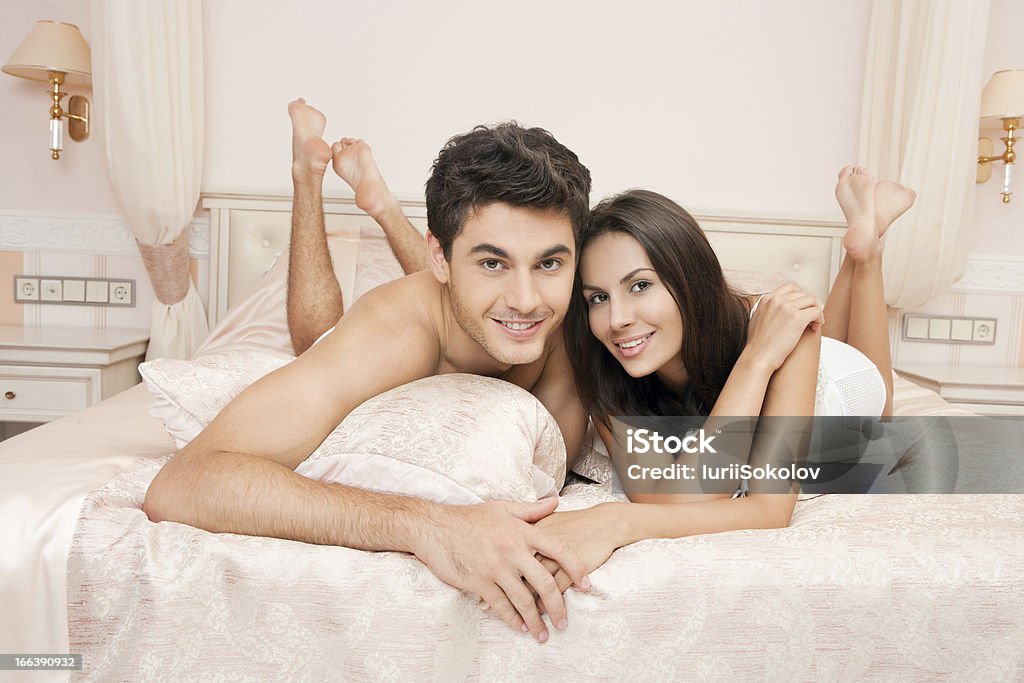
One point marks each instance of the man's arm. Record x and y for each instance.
(237, 475)
(264, 433)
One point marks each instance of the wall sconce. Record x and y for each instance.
(1002, 98)
(56, 53)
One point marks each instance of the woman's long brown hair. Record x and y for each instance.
(714, 316)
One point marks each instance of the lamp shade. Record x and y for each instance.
(1003, 97)
(52, 46)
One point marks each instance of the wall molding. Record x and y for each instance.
(992, 274)
(96, 233)
(85, 233)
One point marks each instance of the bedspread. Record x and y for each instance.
(858, 587)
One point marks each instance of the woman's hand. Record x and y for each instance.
(589, 533)
(778, 323)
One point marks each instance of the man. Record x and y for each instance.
(504, 206)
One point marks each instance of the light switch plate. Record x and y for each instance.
(73, 291)
(97, 292)
(50, 290)
(948, 329)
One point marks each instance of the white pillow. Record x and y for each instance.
(189, 393)
(455, 439)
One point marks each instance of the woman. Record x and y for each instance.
(654, 329)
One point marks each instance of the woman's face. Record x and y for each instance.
(631, 311)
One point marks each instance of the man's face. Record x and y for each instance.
(510, 279)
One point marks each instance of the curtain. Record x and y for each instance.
(148, 81)
(919, 125)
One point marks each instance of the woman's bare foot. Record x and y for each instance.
(891, 201)
(353, 161)
(855, 192)
(310, 153)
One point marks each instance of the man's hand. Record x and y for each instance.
(590, 533)
(490, 550)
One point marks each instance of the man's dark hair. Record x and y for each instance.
(522, 167)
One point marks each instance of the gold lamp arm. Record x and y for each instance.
(1008, 157)
(77, 115)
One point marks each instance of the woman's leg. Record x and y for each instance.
(855, 311)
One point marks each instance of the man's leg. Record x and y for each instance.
(353, 161)
(314, 297)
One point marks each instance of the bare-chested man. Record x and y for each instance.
(504, 205)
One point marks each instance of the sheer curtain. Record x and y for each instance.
(919, 124)
(148, 80)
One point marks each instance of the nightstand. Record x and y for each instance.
(983, 389)
(47, 372)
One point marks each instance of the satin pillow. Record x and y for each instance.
(259, 321)
(454, 439)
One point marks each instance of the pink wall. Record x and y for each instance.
(741, 104)
(29, 178)
(998, 227)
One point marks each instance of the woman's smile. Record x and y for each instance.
(630, 308)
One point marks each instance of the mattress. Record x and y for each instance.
(46, 474)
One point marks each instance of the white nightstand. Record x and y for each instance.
(47, 372)
(984, 389)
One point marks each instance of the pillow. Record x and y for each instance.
(376, 263)
(259, 321)
(188, 394)
(454, 439)
(593, 461)
(751, 282)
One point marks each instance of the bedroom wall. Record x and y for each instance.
(57, 217)
(993, 285)
(682, 97)
(739, 105)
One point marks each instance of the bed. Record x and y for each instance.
(875, 587)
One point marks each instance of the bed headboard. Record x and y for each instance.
(247, 230)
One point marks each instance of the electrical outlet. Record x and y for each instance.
(985, 331)
(26, 289)
(50, 290)
(948, 329)
(121, 292)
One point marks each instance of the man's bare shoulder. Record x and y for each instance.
(413, 299)
(398, 317)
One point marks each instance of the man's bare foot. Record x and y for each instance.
(353, 161)
(891, 201)
(310, 153)
(855, 192)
